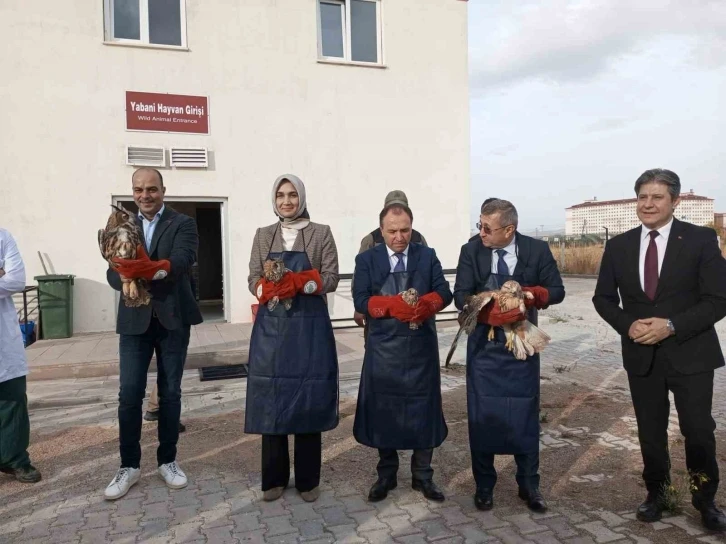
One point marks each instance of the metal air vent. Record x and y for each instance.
(189, 157)
(137, 155)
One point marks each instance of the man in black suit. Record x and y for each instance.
(671, 278)
(502, 392)
(171, 242)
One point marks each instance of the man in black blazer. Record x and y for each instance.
(502, 392)
(671, 278)
(171, 242)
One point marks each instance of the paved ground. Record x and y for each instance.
(590, 461)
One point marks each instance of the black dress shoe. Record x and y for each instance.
(533, 497)
(26, 475)
(484, 499)
(712, 517)
(182, 427)
(151, 416)
(652, 509)
(429, 489)
(380, 489)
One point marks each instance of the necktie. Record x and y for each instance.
(502, 267)
(650, 271)
(400, 266)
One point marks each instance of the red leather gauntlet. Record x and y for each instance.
(142, 267)
(428, 306)
(493, 315)
(307, 282)
(390, 306)
(283, 289)
(541, 297)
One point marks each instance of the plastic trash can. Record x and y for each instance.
(55, 301)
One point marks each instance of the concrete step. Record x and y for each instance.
(100, 369)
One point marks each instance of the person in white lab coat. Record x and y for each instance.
(14, 420)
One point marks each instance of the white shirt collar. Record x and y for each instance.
(511, 249)
(157, 216)
(664, 231)
(391, 253)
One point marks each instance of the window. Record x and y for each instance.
(350, 30)
(153, 22)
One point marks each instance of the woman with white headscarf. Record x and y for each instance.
(292, 387)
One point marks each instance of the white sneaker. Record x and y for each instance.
(122, 482)
(173, 475)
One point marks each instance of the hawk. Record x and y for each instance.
(119, 240)
(410, 297)
(523, 338)
(274, 270)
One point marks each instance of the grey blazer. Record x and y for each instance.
(318, 244)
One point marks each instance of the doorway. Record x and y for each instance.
(208, 273)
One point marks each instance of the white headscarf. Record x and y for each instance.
(301, 219)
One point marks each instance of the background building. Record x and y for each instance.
(719, 220)
(357, 97)
(593, 216)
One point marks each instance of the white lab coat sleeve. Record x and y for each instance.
(12, 263)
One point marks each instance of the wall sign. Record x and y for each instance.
(155, 112)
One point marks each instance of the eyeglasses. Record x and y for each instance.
(488, 230)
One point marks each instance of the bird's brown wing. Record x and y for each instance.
(452, 349)
(102, 242)
(467, 318)
(531, 338)
(474, 304)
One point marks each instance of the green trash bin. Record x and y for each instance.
(55, 301)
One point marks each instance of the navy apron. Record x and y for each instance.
(502, 393)
(399, 399)
(292, 387)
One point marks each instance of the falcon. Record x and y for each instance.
(523, 338)
(119, 240)
(274, 270)
(410, 297)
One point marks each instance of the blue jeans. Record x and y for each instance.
(135, 352)
(485, 475)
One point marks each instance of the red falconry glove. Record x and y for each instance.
(390, 306)
(307, 282)
(541, 297)
(428, 306)
(142, 267)
(493, 315)
(283, 289)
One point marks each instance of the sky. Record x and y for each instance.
(571, 100)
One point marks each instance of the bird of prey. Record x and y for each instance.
(120, 239)
(410, 297)
(523, 338)
(274, 270)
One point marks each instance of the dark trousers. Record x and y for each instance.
(420, 464)
(14, 424)
(276, 461)
(485, 475)
(135, 352)
(693, 394)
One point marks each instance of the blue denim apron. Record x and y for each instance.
(399, 398)
(292, 387)
(502, 393)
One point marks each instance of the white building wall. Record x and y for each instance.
(351, 133)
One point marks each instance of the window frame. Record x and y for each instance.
(346, 30)
(143, 40)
